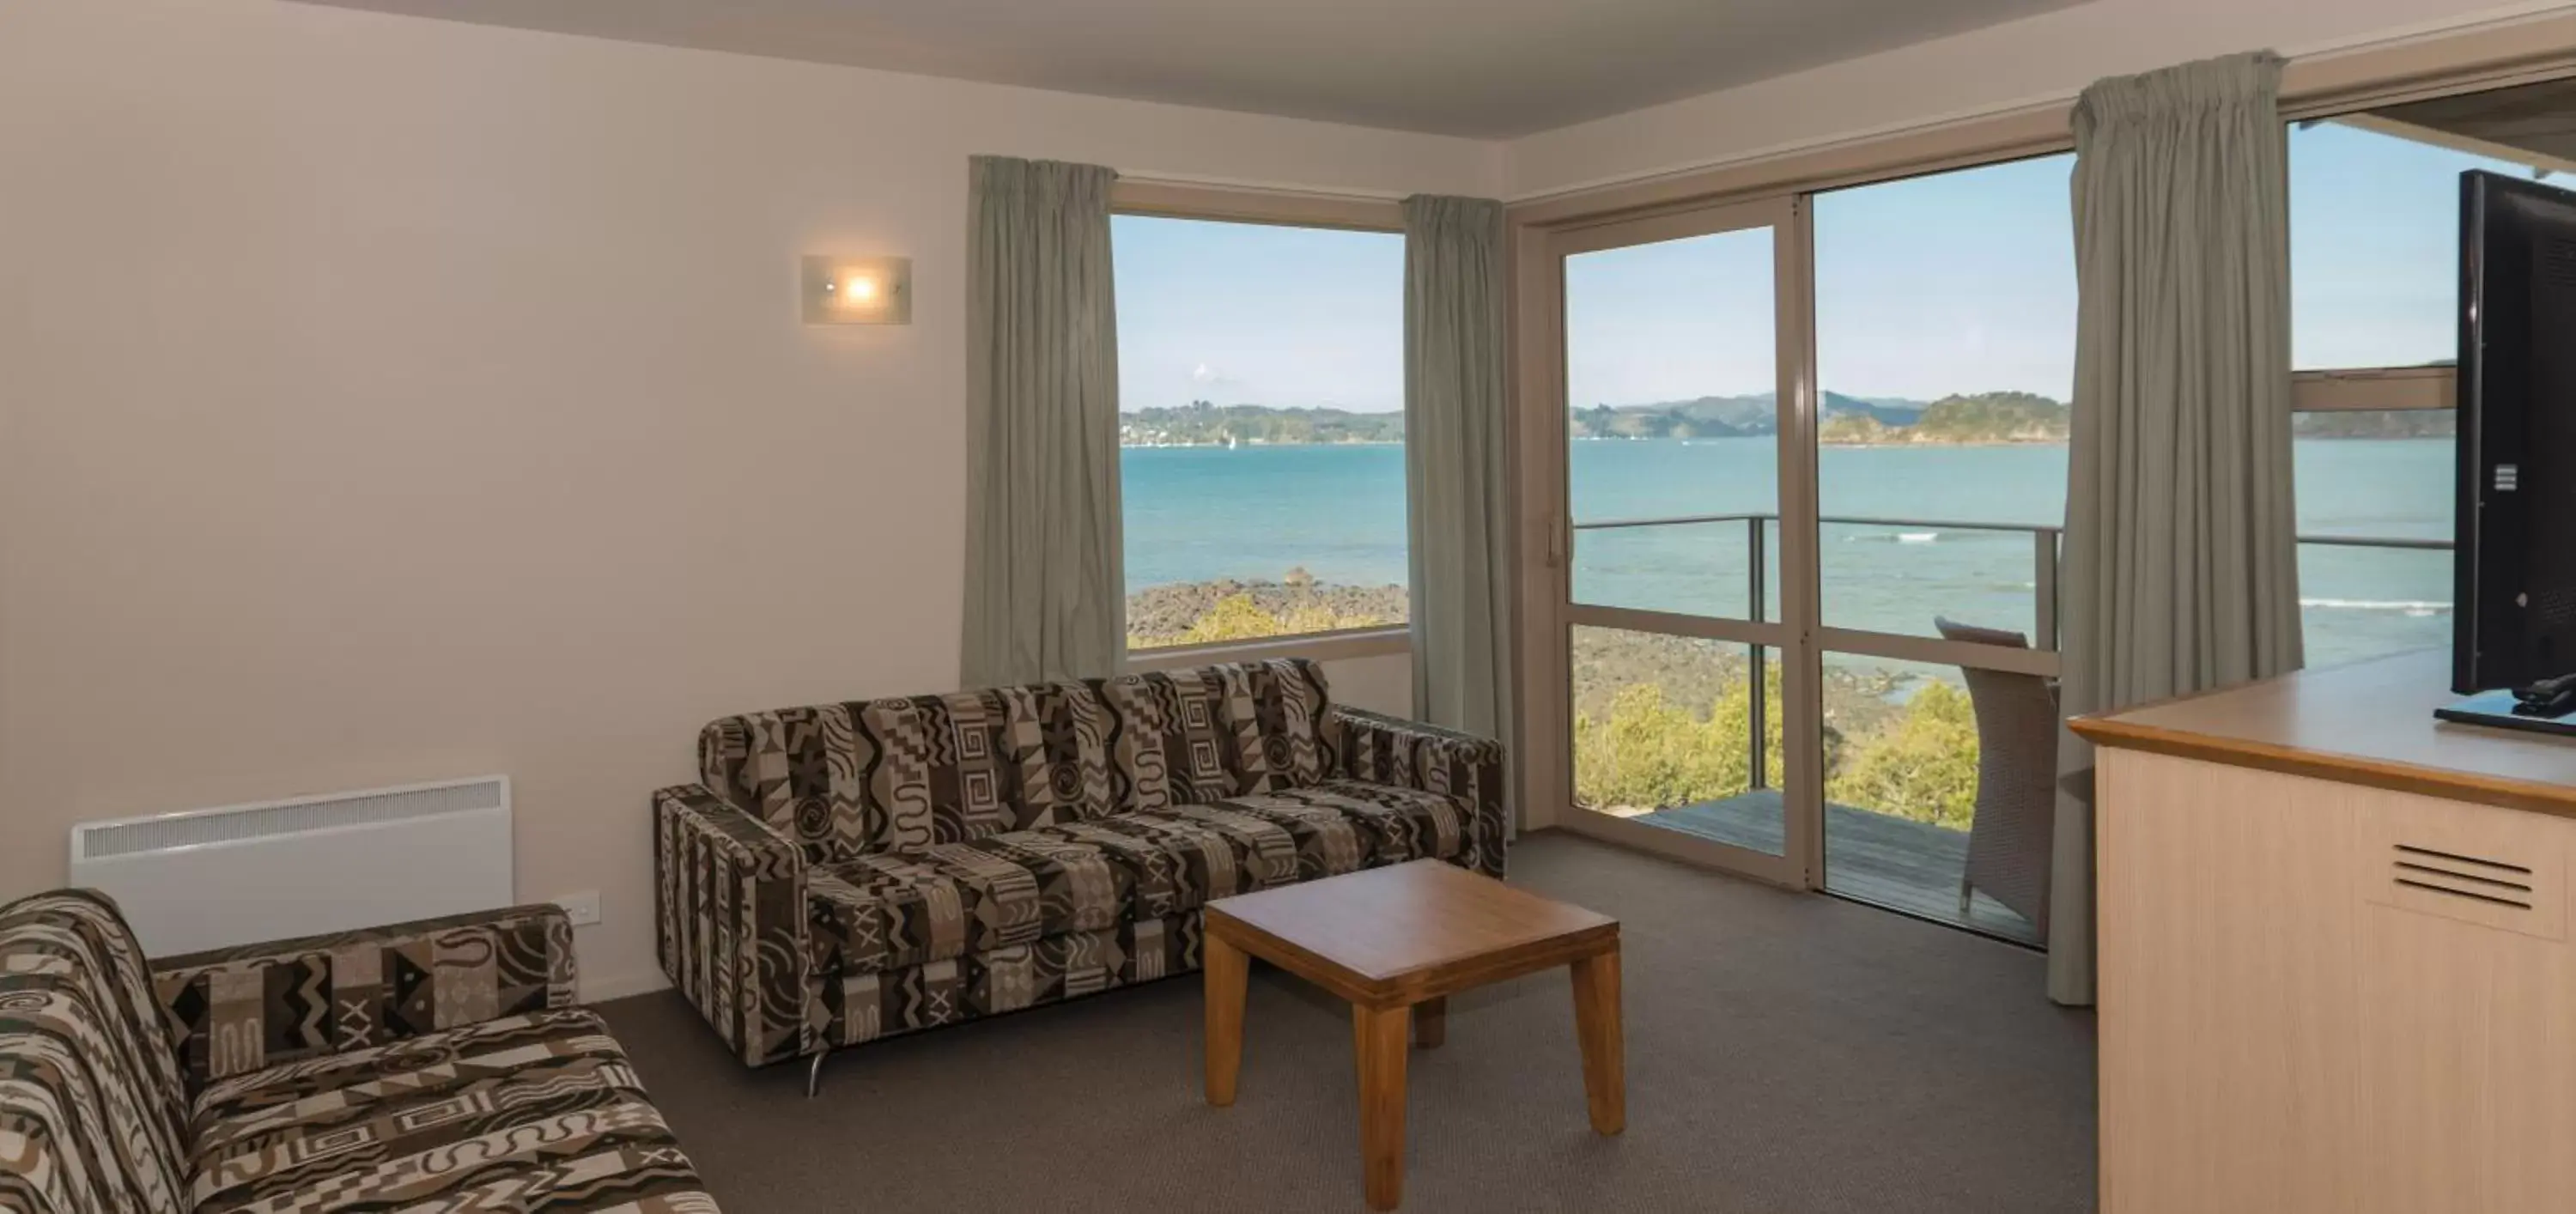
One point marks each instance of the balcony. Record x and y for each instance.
(1901, 759)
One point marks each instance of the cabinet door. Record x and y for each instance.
(2467, 1007)
(2228, 930)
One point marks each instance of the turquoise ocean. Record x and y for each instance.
(1207, 513)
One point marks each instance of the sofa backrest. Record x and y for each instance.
(906, 772)
(93, 1116)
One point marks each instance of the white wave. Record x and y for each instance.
(2413, 607)
(1917, 537)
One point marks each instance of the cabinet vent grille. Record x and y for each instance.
(2462, 876)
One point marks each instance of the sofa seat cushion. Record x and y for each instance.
(872, 913)
(1342, 825)
(1175, 860)
(534, 1112)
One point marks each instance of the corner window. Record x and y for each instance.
(1261, 429)
(2374, 318)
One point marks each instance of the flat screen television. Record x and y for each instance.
(2514, 566)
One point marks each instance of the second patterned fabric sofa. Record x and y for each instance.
(847, 872)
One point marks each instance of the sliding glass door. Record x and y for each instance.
(1681, 363)
(1945, 346)
(1808, 621)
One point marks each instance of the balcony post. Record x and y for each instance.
(1761, 690)
(2043, 582)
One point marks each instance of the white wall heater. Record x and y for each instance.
(240, 874)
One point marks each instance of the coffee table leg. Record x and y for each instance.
(1379, 1036)
(1431, 1023)
(1596, 1025)
(1227, 970)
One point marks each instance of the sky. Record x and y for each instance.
(1954, 282)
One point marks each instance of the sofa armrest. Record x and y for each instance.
(1410, 754)
(235, 1010)
(730, 923)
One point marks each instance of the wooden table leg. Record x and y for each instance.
(1596, 1025)
(1431, 1022)
(1379, 1036)
(1227, 971)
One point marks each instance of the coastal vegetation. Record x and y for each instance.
(1659, 721)
(1987, 417)
(1203, 613)
(1662, 722)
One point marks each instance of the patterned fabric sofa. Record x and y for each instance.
(848, 872)
(433, 1066)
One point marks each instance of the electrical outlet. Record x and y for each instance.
(582, 908)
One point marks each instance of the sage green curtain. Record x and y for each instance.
(1458, 519)
(2181, 560)
(1045, 579)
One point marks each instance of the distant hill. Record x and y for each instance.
(1722, 416)
(1204, 424)
(1983, 417)
(1987, 417)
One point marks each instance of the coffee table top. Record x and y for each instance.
(1408, 932)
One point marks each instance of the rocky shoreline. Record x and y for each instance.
(1170, 610)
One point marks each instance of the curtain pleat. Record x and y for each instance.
(1455, 420)
(2181, 564)
(1045, 572)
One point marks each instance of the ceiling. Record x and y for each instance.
(2532, 123)
(1482, 68)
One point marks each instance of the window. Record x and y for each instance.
(1945, 348)
(2374, 299)
(1261, 397)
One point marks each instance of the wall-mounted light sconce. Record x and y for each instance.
(858, 290)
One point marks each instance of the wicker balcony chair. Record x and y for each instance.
(2009, 844)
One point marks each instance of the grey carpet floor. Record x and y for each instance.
(1786, 1052)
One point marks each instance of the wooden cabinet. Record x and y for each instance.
(2323, 988)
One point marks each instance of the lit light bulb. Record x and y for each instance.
(862, 289)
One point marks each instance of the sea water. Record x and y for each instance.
(1256, 512)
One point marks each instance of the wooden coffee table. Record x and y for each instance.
(1397, 942)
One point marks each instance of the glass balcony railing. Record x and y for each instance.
(1686, 732)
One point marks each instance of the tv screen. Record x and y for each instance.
(2514, 618)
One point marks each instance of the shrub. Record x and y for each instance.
(1921, 765)
(1646, 752)
(1642, 751)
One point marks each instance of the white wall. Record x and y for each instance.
(2037, 59)
(385, 399)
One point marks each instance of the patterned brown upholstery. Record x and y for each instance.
(384, 1069)
(93, 1118)
(847, 872)
(241, 1009)
(539, 1111)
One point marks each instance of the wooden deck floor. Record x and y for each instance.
(1897, 862)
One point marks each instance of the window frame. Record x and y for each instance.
(1169, 199)
(2342, 80)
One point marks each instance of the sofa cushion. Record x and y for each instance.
(895, 909)
(1189, 737)
(91, 1104)
(537, 1112)
(1175, 861)
(910, 772)
(1347, 824)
